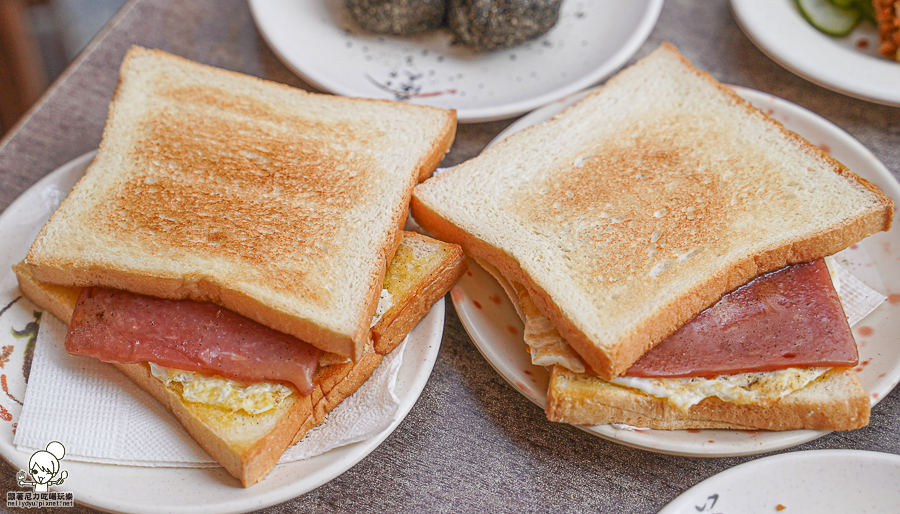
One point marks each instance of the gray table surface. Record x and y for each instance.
(471, 442)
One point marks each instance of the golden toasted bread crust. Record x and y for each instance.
(58, 300)
(439, 149)
(835, 401)
(331, 389)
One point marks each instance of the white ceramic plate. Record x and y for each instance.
(592, 39)
(799, 482)
(176, 490)
(494, 326)
(849, 65)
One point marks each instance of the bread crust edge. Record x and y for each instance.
(607, 403)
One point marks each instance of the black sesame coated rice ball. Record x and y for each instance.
(498, 24)
(399, 17)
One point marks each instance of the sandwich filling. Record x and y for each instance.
(123, 327)
(790, 318)
(117, 326)
(758, 344)
(224, 393)
(745, 388)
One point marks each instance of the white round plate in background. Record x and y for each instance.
(175, 490)
(319, 41)
(850, 65)
(492, 322)
(799, 482)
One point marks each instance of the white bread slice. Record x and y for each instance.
(281, 205)
(633, 210)
(834, 401)
(248, 445)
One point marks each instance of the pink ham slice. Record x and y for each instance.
(786, 319)
(117, 326)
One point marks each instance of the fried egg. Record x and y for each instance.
(760, 388)
(222, 392)
(385, 302)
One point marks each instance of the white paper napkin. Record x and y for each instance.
(101, 416)
(859, 300)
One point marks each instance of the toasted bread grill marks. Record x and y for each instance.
(253, 198)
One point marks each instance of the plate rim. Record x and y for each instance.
(684, 498)
(785, 439)
(802, 59)
(428, 336)
(489, 113)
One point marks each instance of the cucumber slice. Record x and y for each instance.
(843, 4)
(828, 18)
(867, 10)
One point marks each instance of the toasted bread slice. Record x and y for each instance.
(422, 271)
(248, 445)
(834, 401)
(281, 205)
(633, 210)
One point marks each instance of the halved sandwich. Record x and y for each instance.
(251, 224)
(631, 212)
(248, 429)
(774, 354)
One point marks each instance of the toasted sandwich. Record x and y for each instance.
(631, 212)
(247, 432)
(254, 225)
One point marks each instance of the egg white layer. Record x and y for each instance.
(744, 388)
(222, 392)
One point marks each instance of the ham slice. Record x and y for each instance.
(118, 326)
(789, 318)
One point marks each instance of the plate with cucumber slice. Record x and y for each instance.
(833, 43)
